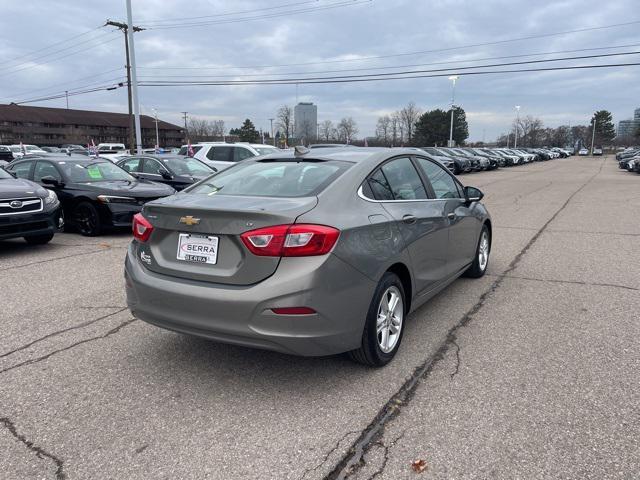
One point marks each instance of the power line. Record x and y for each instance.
(7, 73)
(390, 74)
(400, 66)
(360, 80)
(115, 80)
(228, 14)
(53, 45)
(405, 54)
(340, 4)
(71, 93)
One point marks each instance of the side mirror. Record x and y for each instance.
(166, 175)
(473, 194)
(49, 180)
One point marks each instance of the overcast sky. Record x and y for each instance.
(319, 38)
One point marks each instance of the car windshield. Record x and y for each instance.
(273, 179)
(4, 174)
(187, 166)
(185, 150)
(265, 150)
(82, 172)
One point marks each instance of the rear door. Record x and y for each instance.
(400, 189)
(463, 226)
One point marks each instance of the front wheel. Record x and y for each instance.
(479, 266)
(87, 220)
(383, 328)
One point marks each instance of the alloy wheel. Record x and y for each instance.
(390, 319)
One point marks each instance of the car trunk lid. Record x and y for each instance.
(180, 221)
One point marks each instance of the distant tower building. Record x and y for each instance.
(305, 121)
(628, 128)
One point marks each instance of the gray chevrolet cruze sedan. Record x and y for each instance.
(307, 252)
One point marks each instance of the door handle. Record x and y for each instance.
(409, 219)
(451, 216)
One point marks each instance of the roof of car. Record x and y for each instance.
(57, 157)
(354, 154)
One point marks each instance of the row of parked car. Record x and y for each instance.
(629, 159)
(43, 191)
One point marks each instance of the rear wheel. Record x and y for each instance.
(384, 326)
(39, 239)
(87, 220)
(479, 266)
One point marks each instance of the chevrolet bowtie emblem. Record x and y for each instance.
(189, 220)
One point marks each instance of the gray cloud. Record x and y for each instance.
(382, 27)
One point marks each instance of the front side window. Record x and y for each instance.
(403, 179)
(184, 151)
(272, 179)
(152, 166)
(187, 166)
(131, 165)
(442, 182)
(45, 169)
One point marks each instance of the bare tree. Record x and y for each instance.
(285, 121)
(307, 131)
(347, 129)
(383, 129)
(198, 129)
(409, 115)
(326, 130)
(395, 129)
(218, 128)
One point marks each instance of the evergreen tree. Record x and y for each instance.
(248, 132)
(605, 130)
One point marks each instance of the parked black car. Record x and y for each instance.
(27, 210)
(176, 171)
(95, 193)
(461, 163)
(6, 154)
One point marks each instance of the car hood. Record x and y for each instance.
(130, 188)
(18, 187)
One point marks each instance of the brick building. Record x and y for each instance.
(46, 126)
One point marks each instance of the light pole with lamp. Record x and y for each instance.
(515, 140)
(155, 114)
(453, 78)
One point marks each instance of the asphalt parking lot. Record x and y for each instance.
(529, 372)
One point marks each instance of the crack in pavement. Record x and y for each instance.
(73, 345)
(455, 343)
(351, 462)
(60, 332)
(40, 452)
(327, 455)
(570, 282)
(385, 460)
(40, 262)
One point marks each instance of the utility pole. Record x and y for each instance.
(66, 94)
(124, 28)
(273, 139)
(186, 132)
(134, 78)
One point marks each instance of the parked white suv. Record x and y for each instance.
(221, 155)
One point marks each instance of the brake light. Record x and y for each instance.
(141, 228)
(298, 240)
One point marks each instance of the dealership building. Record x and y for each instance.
(52, 127)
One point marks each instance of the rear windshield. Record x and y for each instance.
(185, 150)
(273, 179)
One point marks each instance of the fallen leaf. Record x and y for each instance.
(419, 466)
(104, 245)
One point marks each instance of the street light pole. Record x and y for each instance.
(593, 133)
(273, 139)
(155, 114)
(515, 140)
(453, 78)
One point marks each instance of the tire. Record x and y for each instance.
(87, 220)
(39, 239)
(481, 260)
(371, 353)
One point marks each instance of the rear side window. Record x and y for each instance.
(273, 179)
(240, 154)
(220, 154)
(403, 179)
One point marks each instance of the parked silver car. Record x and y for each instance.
(310, 252)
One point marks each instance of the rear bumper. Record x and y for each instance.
(30, 224)
(241, 315)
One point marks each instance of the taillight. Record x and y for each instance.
(298, 240)
(141, 228)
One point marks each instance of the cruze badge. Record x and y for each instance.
(145, 257)
(189, 220)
